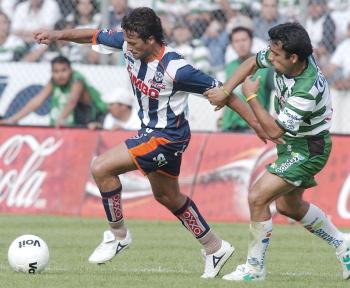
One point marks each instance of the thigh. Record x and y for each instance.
(269, 187)
(115, 161)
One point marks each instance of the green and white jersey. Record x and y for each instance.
(302, 103)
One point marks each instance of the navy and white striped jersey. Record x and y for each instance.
(161, 86)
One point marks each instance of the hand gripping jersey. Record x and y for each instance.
(302, 103)
(161, 86)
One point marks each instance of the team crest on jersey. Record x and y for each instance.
(158, 76)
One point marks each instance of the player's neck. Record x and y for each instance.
(157, 53)
(297, 69)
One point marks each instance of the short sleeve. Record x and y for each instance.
(262, 58)
(107, 41)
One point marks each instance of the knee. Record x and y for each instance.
(98, 169)
(256, 198)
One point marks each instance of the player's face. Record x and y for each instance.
(139, 48)
(61, 74)
(242, 44)
(279, 59)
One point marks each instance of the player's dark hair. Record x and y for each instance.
(241, 29)
(60, 60)
(294, 39)
(145, 22)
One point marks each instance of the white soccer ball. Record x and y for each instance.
(28, 254)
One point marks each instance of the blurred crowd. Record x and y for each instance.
(213, 35)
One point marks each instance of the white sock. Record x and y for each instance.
(260, 233)
(316, 222)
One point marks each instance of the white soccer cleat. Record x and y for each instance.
(214, 262)
(109, 247)
(344, 258)
(246, 272)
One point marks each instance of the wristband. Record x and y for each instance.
(251, 97)
(225, 91)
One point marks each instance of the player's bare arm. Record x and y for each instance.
(268, 122)
(219, 96)
(74, 35)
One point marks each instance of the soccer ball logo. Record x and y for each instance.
(28, 254)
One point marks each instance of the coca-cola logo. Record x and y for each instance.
(21, 187)
(344, 200)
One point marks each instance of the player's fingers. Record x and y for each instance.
(217, 108)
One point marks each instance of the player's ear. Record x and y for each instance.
(294, 58)
(151, 40)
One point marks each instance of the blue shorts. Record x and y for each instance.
(159, 150)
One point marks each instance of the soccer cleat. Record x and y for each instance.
(344, 258)
(246, 272)
(109, 247)
(214, 262)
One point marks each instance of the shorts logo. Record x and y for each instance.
(178, 153)
(296, 157)
(160, 159)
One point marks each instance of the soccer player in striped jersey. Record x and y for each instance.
(161, 80)
(303, 109)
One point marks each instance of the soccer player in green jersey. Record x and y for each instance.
(303, 109)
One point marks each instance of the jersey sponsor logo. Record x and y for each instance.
(142, 86)
(156, 85)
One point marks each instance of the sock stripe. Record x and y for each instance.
(111, 193)
(183, 208)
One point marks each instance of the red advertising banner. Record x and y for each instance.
(46, 170)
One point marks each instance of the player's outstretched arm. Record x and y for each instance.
(44, 36)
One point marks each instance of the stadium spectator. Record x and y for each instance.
(192, 50)
(73, 101)
(246, 22)
(339, 72)
(32, 15)
(122, 114)
(303, 109)
(321, 28)
(161, 80)
(339, 68)
(242, 41)
(85, 14)
(119, 9)
(216, 40)
(267, 18)
(12, 48)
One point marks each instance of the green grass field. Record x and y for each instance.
(163, 254)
